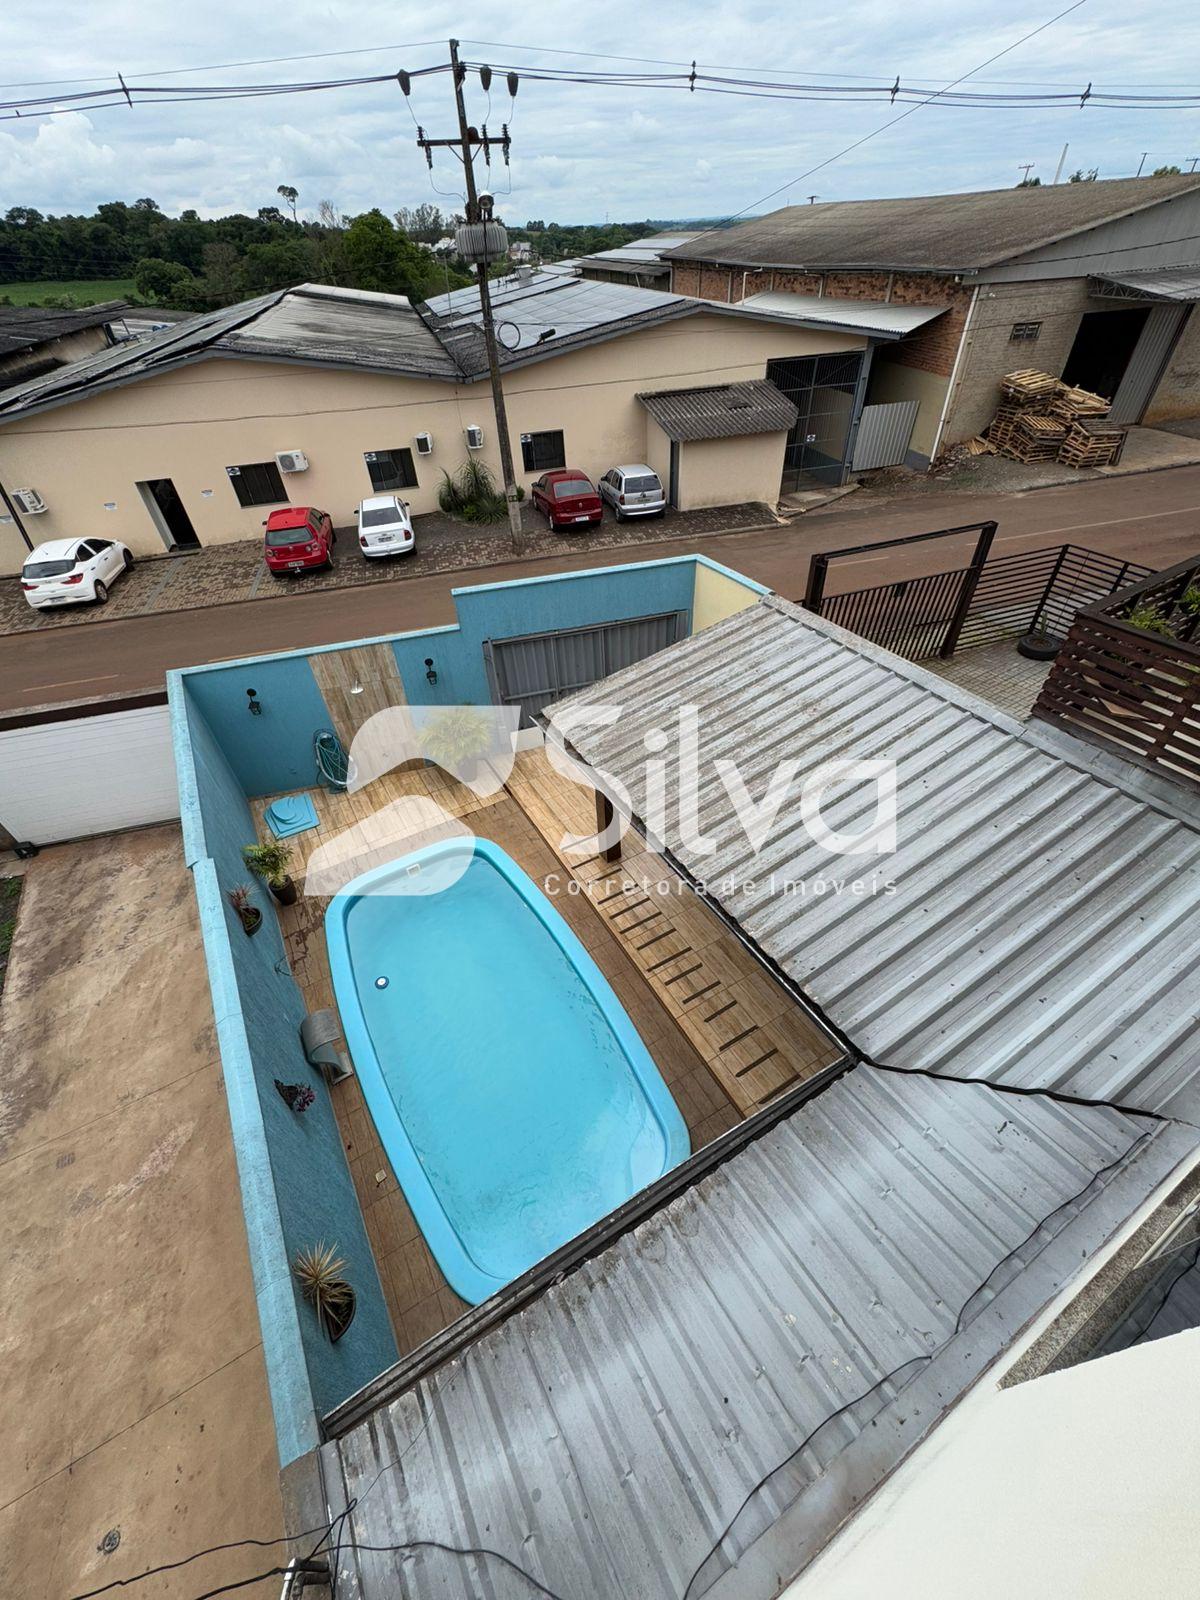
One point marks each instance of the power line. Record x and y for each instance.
(891, 123)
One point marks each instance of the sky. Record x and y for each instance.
(580, 152)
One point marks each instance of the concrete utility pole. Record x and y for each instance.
(1061, 163)
(479, 211)
(1141, 164)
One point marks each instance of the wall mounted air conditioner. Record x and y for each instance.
(29, 501)
(424, 444)
(291, 461)
(474, 437)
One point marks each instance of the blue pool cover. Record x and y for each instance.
(293, 813)
(516, 1102)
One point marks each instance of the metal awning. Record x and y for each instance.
(1162, 283)
(723, 411)
(880, 319)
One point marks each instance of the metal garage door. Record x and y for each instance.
(538, 668)
(1146, 364)
(86, 775)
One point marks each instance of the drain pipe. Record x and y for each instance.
(12, 511)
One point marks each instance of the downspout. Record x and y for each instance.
(951, 386)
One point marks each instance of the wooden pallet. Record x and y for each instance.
(1092, 442)
(1028, 385)
(1070, 403)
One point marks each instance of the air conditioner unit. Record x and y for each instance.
(29, 501)
(291, 461)
(424, 444)
(474, 437)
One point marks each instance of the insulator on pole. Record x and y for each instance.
(405, 82)
(485, 77)
(512, 81)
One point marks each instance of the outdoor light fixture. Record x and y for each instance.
(255, 703)
(356, 687)
(430, 670)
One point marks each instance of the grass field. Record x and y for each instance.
(80, 291)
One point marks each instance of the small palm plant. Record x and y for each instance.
(319, 1274)
(270, 862)
(456, 738)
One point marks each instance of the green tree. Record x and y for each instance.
(1166, 172)
(379, 258)
(278, 265)
(290, 196)
(160, 281)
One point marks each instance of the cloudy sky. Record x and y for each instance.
(580, 151)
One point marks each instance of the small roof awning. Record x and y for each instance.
(724, 411)
(1160, 283)
(879, 319)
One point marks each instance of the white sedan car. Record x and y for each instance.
(385, 527)
(65, 571)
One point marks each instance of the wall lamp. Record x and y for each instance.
(255, 706)
(430, 670)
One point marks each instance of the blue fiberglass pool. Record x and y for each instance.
(515, 1101)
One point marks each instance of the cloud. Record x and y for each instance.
(62, 162)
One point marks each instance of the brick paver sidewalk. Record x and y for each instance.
(226, 573)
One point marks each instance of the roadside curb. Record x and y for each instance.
(401, 576)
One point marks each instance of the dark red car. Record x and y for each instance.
(567, 499)
(298, 538)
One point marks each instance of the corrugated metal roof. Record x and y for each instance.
(862, 1261)
(23, 327)
(724, 411)
(1041, 929)
(1162, 283)
(938, 232)
(879, 318)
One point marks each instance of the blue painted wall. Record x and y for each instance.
(272, 753)
(296, 1185)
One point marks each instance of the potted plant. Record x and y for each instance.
(297, 1096)
(249, 915)
(319, 1274)
(456, 738)
(270, 862)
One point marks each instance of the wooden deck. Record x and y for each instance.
(724, 1037)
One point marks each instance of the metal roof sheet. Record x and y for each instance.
(839, 1281)
(24, 327)
(1040, 929)
(723, 411)
(1161, 283)
(939, 232)
(881, 319)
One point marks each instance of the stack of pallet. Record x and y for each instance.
(1041, 418)
(1092, 442)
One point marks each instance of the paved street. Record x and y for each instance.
(1154, 519)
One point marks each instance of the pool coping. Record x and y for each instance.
(465, 1276)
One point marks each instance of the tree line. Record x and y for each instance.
(192, 263)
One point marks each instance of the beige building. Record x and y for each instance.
(319, 396)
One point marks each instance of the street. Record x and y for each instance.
(1153, 518)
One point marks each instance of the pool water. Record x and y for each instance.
(499, 1056)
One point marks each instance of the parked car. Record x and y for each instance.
(385, 526)
(65, 571)
(634, 491)
(298, 538)
(566, 498)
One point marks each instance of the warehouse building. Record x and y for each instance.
(1095, 282)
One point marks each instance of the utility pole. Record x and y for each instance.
(1061, 163)
(479, 211)
(1026, 168)
(1193, 160)
(1141, 164)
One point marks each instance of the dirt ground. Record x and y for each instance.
(135, 1395)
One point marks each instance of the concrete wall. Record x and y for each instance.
(720, 593)
(191, 424)
(892, 380)
(1068, 1487)
(296, 1185)
(1178, 392)
(722, 472)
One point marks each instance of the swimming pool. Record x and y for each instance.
(514, 1098)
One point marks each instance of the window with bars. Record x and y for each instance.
(1024, 332)
(391, 469)
(541, 452)
(260, 483)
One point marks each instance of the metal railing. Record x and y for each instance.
(984, 602)
(1128, 676)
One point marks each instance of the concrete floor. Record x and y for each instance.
(998, 674)
(134, 1392)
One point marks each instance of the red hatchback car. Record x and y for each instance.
(298, 538)
(567, 499)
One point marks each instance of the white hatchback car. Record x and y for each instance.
(65, 571)
(634, 491)
(385, 527)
